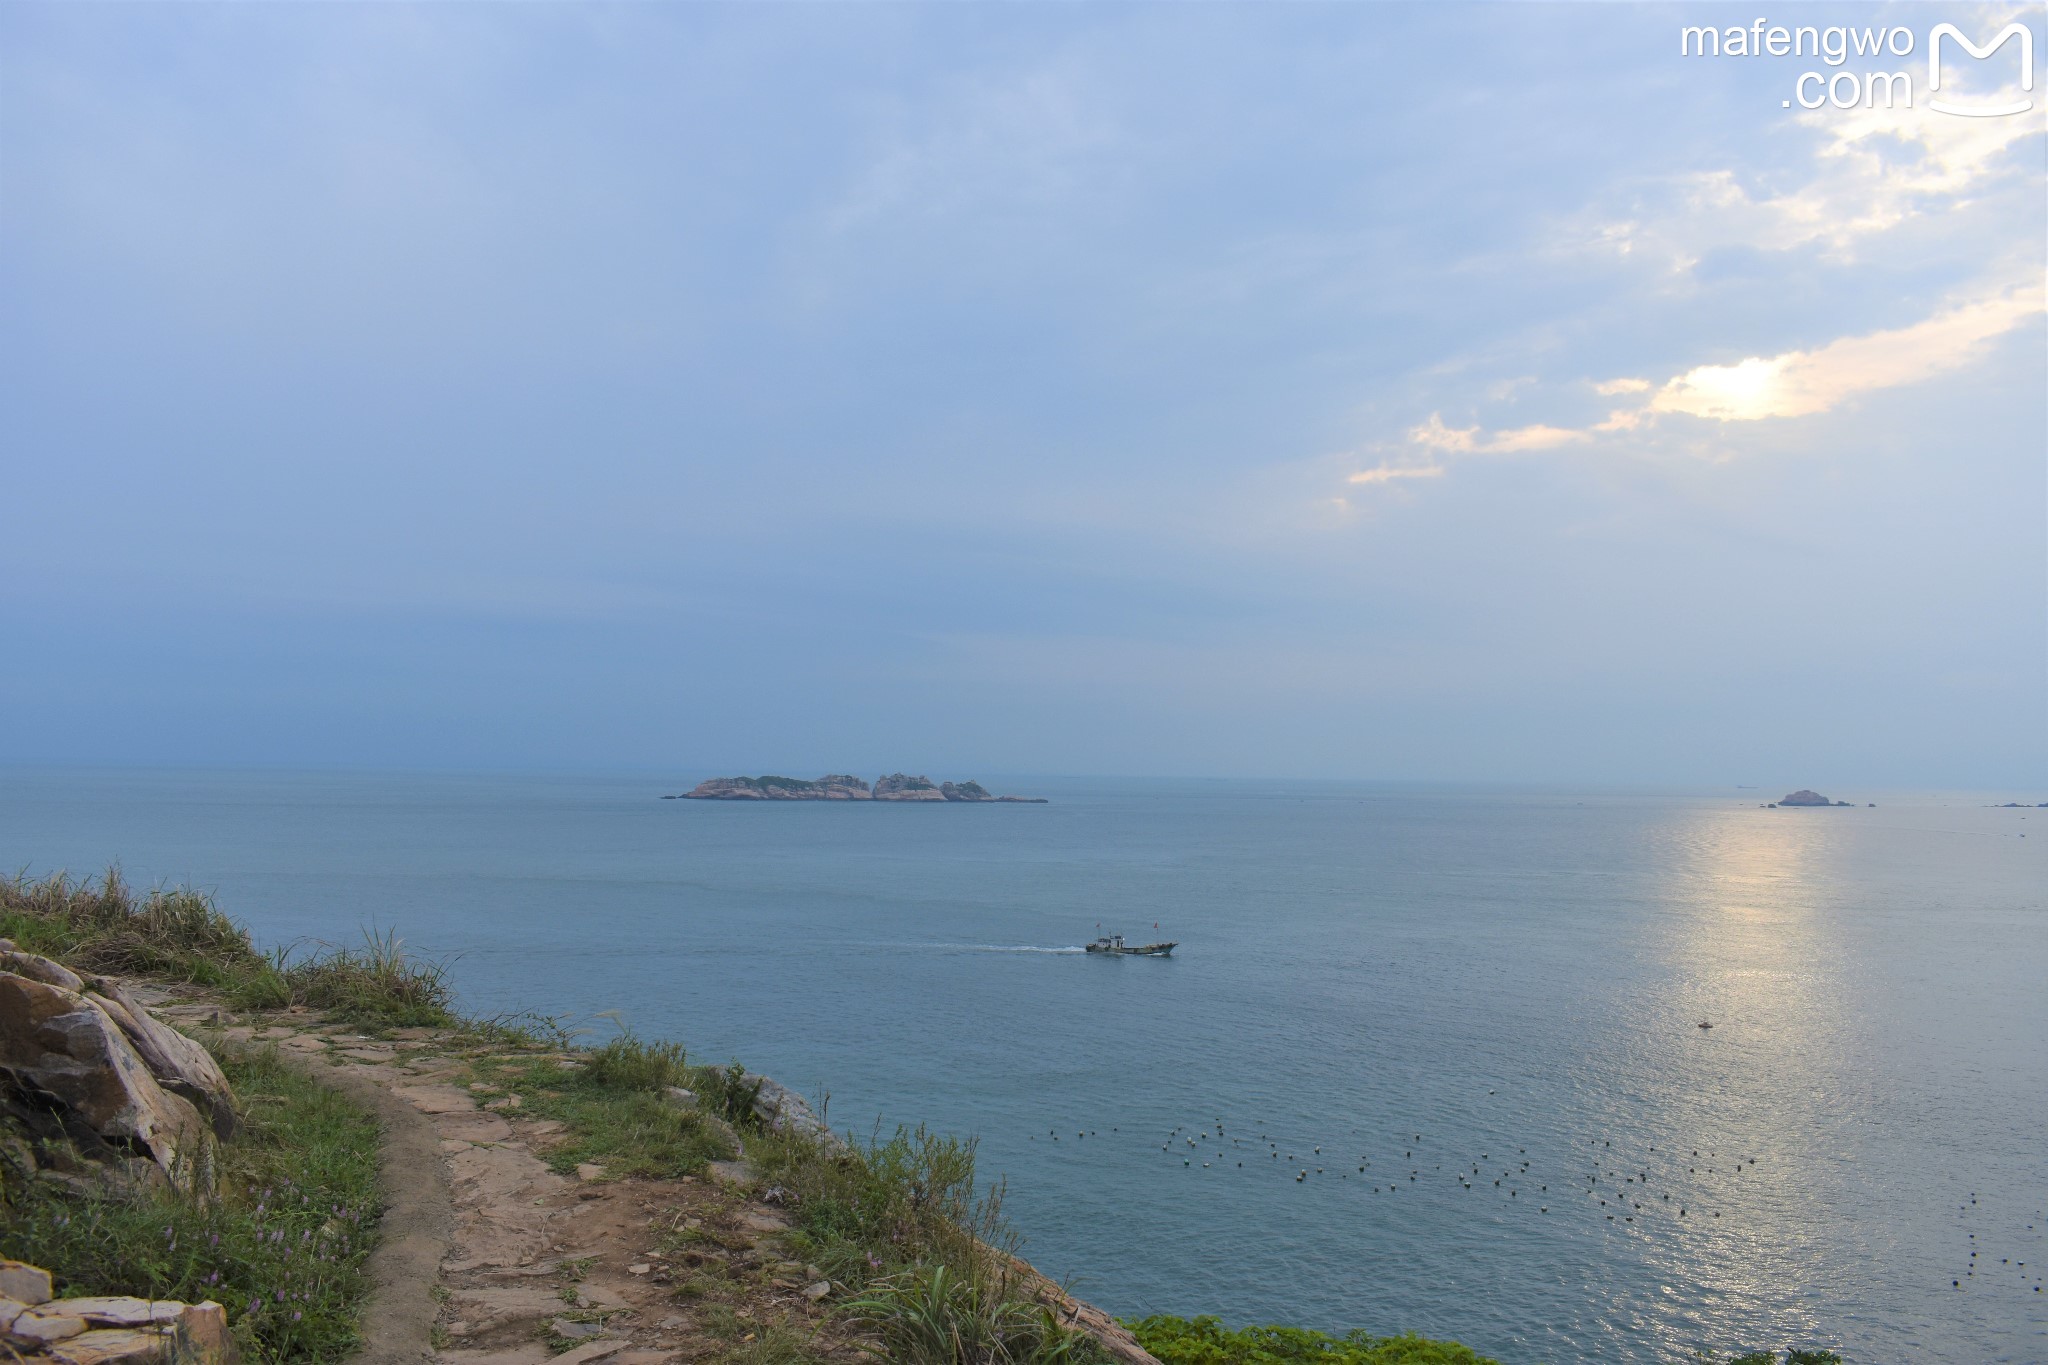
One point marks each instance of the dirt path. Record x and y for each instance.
(489, 1257)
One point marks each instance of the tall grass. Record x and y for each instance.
(104, 926)
(936, 1315)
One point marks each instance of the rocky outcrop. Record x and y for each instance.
(179, 1065)
(106, 1331)
(831, 787)
(783, 1110)
(1803, 797)
(903, 787)
(98, 1087)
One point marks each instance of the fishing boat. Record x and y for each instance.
(1114, 944)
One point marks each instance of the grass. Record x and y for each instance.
(614, 1107)
(103, 926)
(282, 1245)
(1206, 1341)
(180, 935)
(931, 1259)
(935, 1315)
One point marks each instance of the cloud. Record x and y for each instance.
(1756, 388)
(1801, 383)
(1469, 441)
(1388, 473)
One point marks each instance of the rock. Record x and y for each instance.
(680, 1098)
(575, 1331)
(44, 1325)
(818, 1291)
(639, 1268)
(25, 1284)
(842, 787)
(1803, 797)
(589, 1171)
(39, 969)
(121, 1312)
(180, 1065)
(589, 1351)
(902, 787)
(831, 787)
(1112, 1336)
(116, 1346)
(66, 1047)
(203, 1338)
(783, 1110)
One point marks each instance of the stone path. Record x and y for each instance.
(492, 1258)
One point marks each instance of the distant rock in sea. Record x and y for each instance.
(902, 787)
(1803, 797)
(831, 787)
(845, 787)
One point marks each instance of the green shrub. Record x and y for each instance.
(282, 1245)
(1206, 1341)
(728, 1093)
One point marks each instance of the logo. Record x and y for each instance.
(1941, 31)
(1835, 46)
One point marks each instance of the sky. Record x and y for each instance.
(1407, 392)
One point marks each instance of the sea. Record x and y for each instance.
(1425, 1059)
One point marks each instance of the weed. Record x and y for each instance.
(774, 1343)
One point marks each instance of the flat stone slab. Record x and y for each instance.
(437, 1099)
(114, 1346)
(122, 1312)
(472, 1128)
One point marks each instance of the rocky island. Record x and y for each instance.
(844, 787)
(1803, 797)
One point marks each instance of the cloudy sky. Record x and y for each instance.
(1324, 390)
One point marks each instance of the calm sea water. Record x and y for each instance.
(1445, 988)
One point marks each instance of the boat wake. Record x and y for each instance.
(992, 948)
